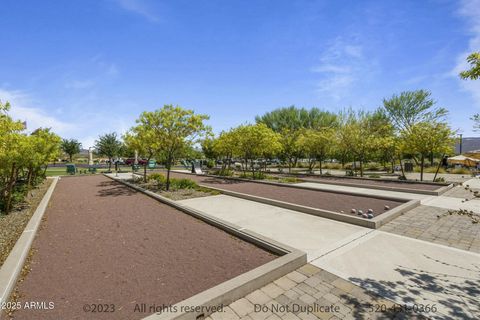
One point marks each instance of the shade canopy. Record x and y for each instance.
(464, 161)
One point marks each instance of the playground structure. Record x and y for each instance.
(195, 166)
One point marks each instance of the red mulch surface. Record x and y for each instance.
(103, 243)
(311, 198)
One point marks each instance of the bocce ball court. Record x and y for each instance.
(332, 201)
(384, 183)
(102, 242)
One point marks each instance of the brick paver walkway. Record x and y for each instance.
(451, 230)
(311, 293)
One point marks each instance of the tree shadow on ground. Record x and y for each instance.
(113, 189)
(376, 308)
(457, 294)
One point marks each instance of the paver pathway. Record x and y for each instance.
(403, 269)
(312, 293)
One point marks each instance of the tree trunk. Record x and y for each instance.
(169, 164)
(253, 169)
(110, 164)
(438, 168)
(320, 162)
(401, 167)
(361, 168)
(29, 177)
(11, 183)
(71, 158)
(422, 160)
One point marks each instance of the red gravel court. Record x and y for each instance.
(103, 243)
(331, 201)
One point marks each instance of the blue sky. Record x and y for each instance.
(87, 67)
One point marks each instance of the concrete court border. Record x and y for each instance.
(13, 265)
(436, 192)
(231, 290)
(373, 223)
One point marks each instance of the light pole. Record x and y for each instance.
(461, 141)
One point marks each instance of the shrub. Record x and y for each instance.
(225, 173)
(372, 167)
(159, 178)
(460, 171)
(331, 166)
(178, 184)
(288, 180)
(430, 169)
(374, 176)
(210, 164)
(258, 175)
(440, 179)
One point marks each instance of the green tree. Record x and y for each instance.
(226, 147)
(22, 156)
(293, 118)
(425, 138)
(254, 142)
(317, 145)
(171, 130)
(411, 107)
(141, 138)
(108, 145)
(291, 149)
(474, 72)
(362, 133)
(44, 146)
(71, 147)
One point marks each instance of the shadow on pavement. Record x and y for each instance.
(113, 189)
(457, 294)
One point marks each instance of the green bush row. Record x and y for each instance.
(175, 184)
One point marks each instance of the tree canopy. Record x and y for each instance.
(71, 147)
(474, 72)
(108, 145)
(411, 107)
(22, 156)
(167, 132)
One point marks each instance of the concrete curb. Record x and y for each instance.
(13, 265)
(387, 188)
(201, 305)
(365, 178)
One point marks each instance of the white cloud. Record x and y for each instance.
(23, 110)
(342, 64)
(470, 9)
(138, 7)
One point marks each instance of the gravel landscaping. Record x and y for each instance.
(13, 224)
(176, 195)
